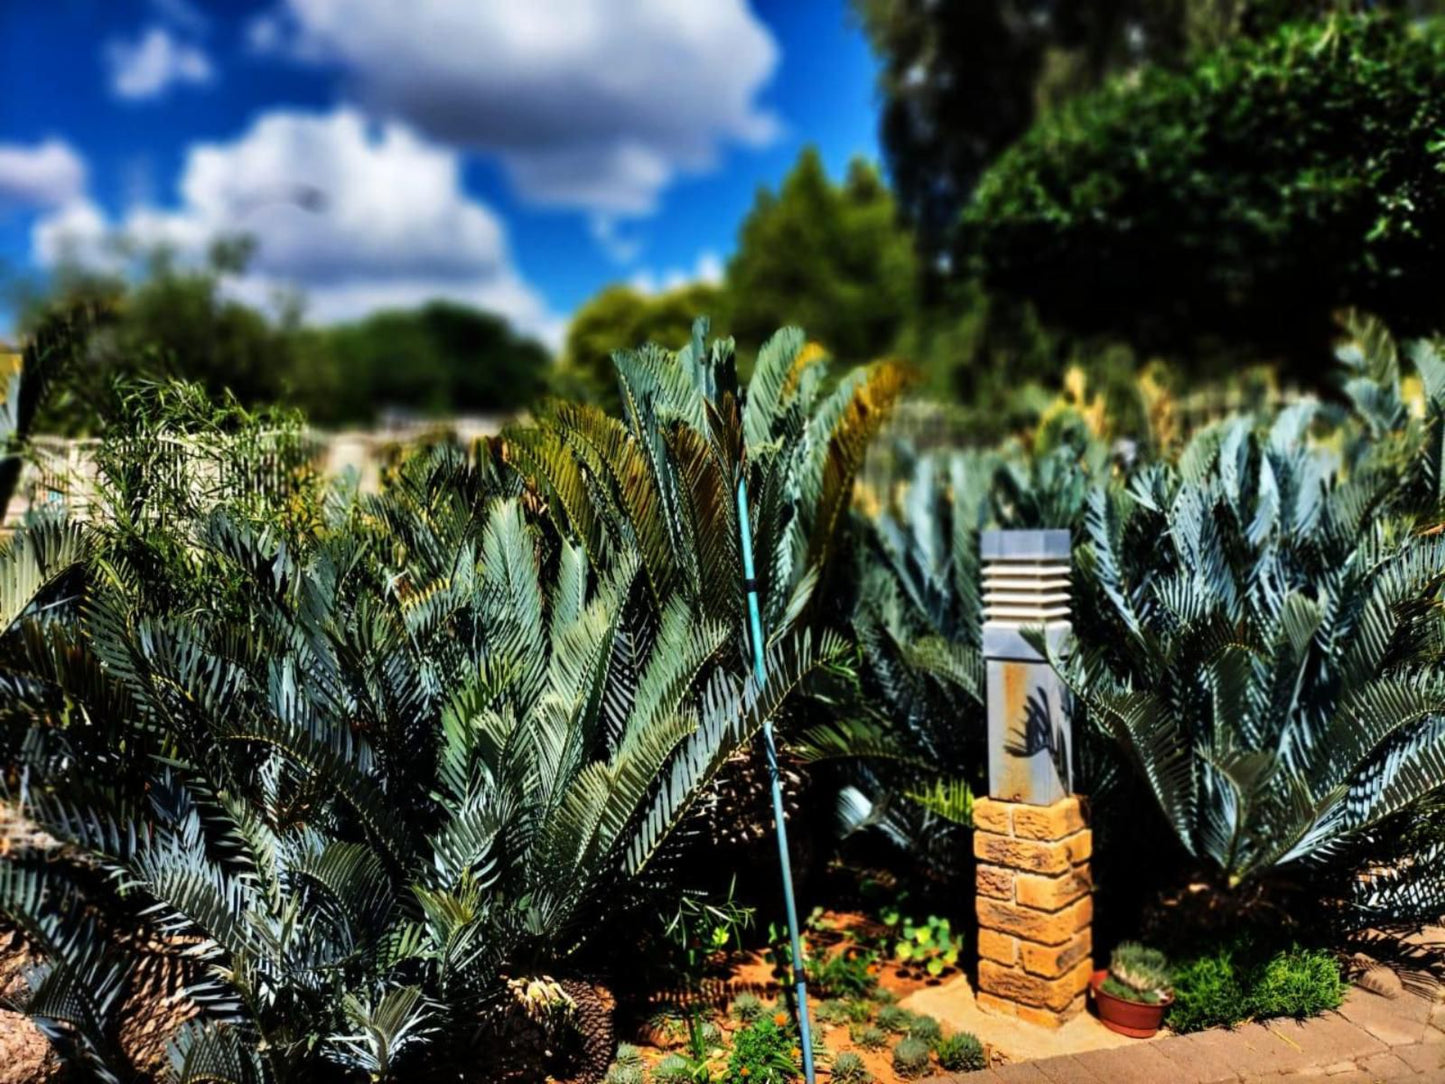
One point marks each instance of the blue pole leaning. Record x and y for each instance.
(755, 622)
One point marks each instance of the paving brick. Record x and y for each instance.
(1062, 818)
(1387, 1066)
(1272, 1048)
(1069, 1070)
(1197, 1062)
(1025, 1072)
(1428, 1058)
(1137, 1063)
(1329, 1038)
(1394, 1021)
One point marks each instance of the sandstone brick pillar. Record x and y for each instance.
(1031, 838)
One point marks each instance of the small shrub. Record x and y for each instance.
(961, 1052)
(885, 997)
(765, 1052)
(910, 1058)
(869, 1036)
(926, 1028)
(849, 973)
(831, 1012)
(848, 1068)
(710, 1034)
(892, 1018)
(673, 1069)
(1207, 993)
(859, 1011)
(746, 1008)
(1299, 983)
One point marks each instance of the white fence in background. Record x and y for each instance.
(62, 470)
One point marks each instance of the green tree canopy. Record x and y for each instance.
(441, 358)
(621, 317)
(831, 258)
(960, 82)
(1241, 200)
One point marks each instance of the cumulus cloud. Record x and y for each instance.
(48, 174)
(151, 65)
(708, 269)
(596, 104)
(359, 216)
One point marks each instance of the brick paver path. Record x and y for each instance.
(1371, 1040)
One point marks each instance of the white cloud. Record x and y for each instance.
(708, 269)
(154, 63)
(596, 104)
(358, 216)
(48, 174)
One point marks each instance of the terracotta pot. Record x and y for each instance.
(1132, 1018)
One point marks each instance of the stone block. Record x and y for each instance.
(1018, 985)
(1050, 1018)
(995, 881)
(1051, 961)
(1032, 856)
(1049, 822)
(993, 816)
(1051, 893)
(1041, 927)
(999, 1006)
(1000, 947)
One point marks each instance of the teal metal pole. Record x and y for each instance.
(755, 622)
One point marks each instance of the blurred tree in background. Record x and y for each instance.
(171, 320)
(622, 317)
(830, 258)
(1241, 201)
(961, 82)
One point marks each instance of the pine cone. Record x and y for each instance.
(593, 1021)
(26, 1056)
(737, 810)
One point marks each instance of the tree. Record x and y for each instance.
(961, 82)
(830, 258)
(621, 317)
(1242, 200)
(438, 359)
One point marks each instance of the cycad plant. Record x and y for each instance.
(665, 479)
(423, 750)
(1265, 644)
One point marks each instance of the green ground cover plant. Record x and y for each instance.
(1239, 981)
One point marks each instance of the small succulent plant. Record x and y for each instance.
(848, 1068)
(961, 1052)
(673, 1069)
(831, 1012)
(921, 1026)
(869, 1036)
(747, 1007)
(625, 1074)
(911, 1058)
(1138, 973)
(858, 1011)
(628, 1055)
(892, 1018)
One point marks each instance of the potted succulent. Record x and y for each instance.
(1134, 993)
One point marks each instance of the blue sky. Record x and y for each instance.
(519, 154)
